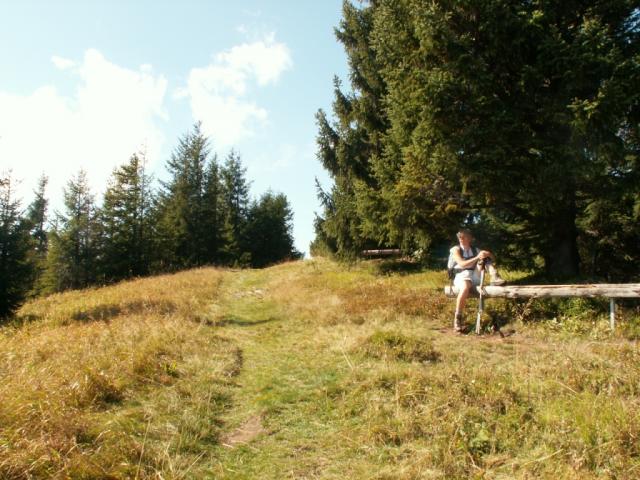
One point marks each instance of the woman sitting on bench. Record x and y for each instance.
(467, 267)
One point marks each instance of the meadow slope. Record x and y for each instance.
(313, 369)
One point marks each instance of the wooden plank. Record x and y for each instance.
(609, 290)
(384, 252)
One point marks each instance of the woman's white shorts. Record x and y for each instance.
(472, 276)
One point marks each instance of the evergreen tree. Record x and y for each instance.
(269, 230)
(37, 218)
(72, 258)
(16, 266)
(235, 207)
(213, 213)
(354, 218)
(183, 226)
(508, 116)
(126, 241)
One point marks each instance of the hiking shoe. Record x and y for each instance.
(458, 323)
(498, 282)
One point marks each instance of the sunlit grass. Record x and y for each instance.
(343, 371)
(106, 381)
(514, 407)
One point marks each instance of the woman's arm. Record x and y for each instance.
(469, 262)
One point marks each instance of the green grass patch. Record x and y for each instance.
(393, 345)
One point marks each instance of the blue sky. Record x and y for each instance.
(85, 83)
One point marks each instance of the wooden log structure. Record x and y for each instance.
(607, 290)
(383, 252)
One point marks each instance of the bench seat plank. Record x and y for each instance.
(609, 290)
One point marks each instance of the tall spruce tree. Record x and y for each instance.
(270, 230)
(72, 259)
(126, 241)
(37, 218)
(351, 219)
(509, 95)
(183, 210)
(235, 207)
(213, 213)
(16, 266)
(509, 116)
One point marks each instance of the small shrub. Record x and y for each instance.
(396, 346)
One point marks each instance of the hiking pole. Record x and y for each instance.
(481, 298)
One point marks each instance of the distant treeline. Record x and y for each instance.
(520, 120)
(203, 215)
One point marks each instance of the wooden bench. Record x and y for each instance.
(607, 290)
(382, 252)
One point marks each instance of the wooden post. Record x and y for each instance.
(612, 313)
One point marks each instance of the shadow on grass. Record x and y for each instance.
(22, 319)
(241, 322)
(108, 311)
(399, 266)
(102, 313)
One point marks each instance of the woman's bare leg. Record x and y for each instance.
(463, 294)
(496, 279)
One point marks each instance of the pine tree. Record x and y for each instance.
(509, 117)
(182, 204)
(213, 214)
(72, 258)
(519, 102)
(16, 267)
(126, 241)
(37, 218)
(235, 207)
(270, 230)
(354, 218)
(37, 215)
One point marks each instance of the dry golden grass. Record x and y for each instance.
(76, 369)
(547, 402)
(349, 372)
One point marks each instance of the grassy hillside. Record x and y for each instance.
(312, 370)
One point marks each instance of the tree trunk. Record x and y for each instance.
(561, 257)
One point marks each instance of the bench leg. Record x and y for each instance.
(612, 313)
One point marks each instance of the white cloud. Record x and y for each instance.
(219, 93)
(113, 113)
(265, 59)
(62, 63)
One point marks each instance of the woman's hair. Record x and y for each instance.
(464, 231)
